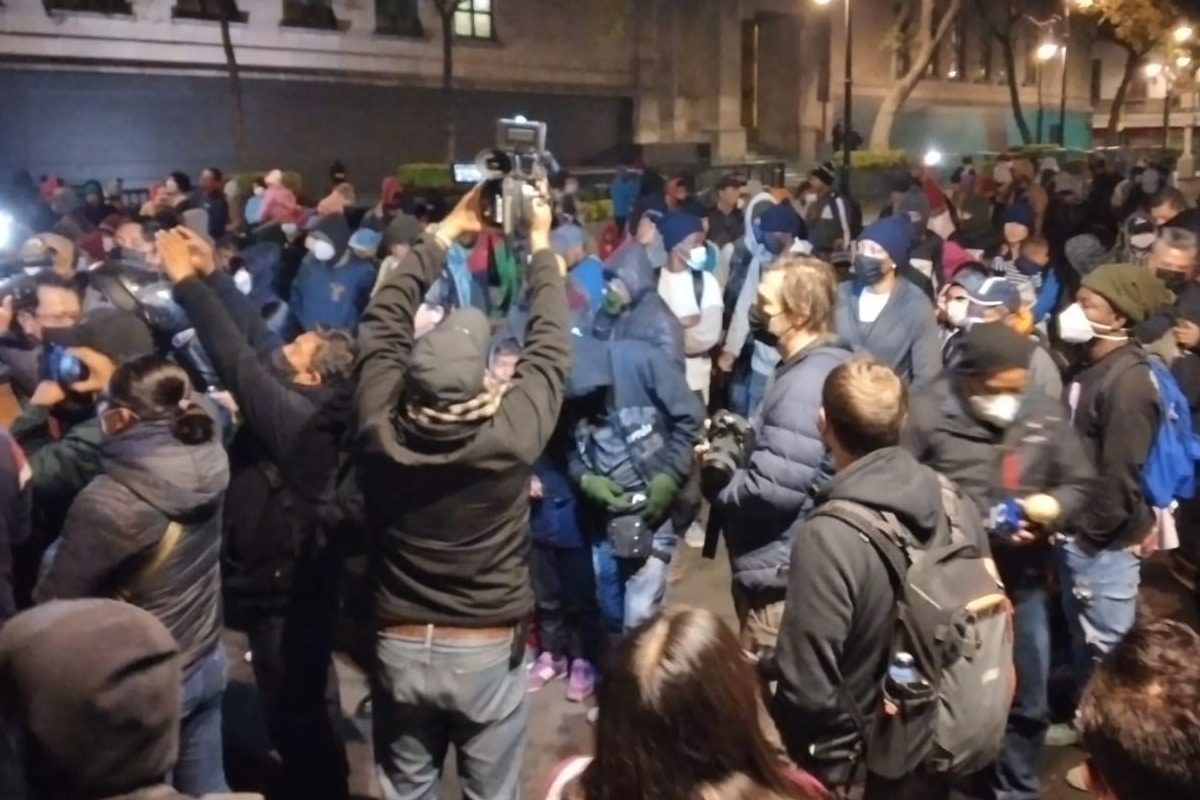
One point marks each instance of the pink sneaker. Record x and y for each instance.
(582, 683)
(546, 669)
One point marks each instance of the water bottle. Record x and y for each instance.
(903, 670)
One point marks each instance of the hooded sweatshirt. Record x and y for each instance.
(647, 317)
(333, 293)
(116, 524)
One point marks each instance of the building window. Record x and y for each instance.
(206, 9)
(399, 18)
(984, 56)
(310, 14)
(1033, 67)
(94, 6)
(473, 20)
(956, 51)
(934, 70)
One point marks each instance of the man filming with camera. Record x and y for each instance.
(787, 463)
(445, 464)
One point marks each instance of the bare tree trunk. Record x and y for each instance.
(881, 131)
(1014, 90)
(1113, 134)
(228, 13)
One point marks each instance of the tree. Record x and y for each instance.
(1138, 27)
(229, 13)
(445, 10)
(1002, 20)
(927, 38)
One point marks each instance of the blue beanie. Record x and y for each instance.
(677, 226)
(366, 240)
(1021, 213)
(782, 218)
(894, 234)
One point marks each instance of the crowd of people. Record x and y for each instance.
(936, 447)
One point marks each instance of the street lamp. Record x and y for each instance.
(1045, 52)
(848, 84)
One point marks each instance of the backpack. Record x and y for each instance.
(953, 616)
(1169, 473)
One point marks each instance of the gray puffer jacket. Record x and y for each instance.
(116, 524)
(784, 471)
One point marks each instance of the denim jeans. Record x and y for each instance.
(631, 592)
(201, 766)
(1099, 595)
(428, 695)
(746, 392)
(1017, 765)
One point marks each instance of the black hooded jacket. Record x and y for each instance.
(837, 624)
(448, 507)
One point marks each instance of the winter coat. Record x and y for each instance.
(904, 336)
(333, 293)
(647, 317)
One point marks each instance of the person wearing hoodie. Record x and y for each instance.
(692, 295)
(281, 557)
(91, 701)
(94, 207)
(885, 314)
(749, 361)
(634, 422)
(584, 270)
(924, 264)
(829, 213)
(398, 239)
(1025, 189)
(632, 307)
(278, 201)
(445, 462)
(975, 231)
(147, 530)
(333, 284)
(985, 425)
(836, 631)
(787, 465)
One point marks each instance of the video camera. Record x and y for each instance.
(511, 171)
(134, 286)
(730, 438)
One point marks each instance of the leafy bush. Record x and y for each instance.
(426, 176)
(595, 210)
(878, 159)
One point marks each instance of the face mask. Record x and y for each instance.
(1171, 279)
(956, 312)
(867, 271)
(698, 257)
(321, 249)
(998, 409)
(1074, 327)
(613, 303)
(760, 327)
(242, 280)
(811, 198)
(258, 191)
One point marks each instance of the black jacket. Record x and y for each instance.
(283, 457)
(941, 434)
(1117, 415)
(838, 619)
(116, 524)
(23, 359)
(448, 511)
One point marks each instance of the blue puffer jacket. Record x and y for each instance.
(651, 405)
(786, 468)
(647, 318)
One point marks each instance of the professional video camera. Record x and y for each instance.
(134, 286)
(511, 171)
(730, 438)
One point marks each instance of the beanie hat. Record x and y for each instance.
(825, 172)
(95, 686)
(1084, 252)
(403, 229)
(677, 226)
(365, 240)
(448, 364)
(993, 347)
(92, 188)
(1020, 213)
(915, 205)
(894, 234)
(782, 218)
(1134, 292)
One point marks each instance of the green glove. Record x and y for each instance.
(604, 491)
(660, 494)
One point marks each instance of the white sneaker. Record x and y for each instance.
(1062, 734)
(694, 537)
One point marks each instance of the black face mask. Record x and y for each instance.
(759, 322)
(1171, 279)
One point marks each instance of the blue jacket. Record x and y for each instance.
(647, 318)
(624, 191)
(905, 336)
(454, 288)
(650, 404)
(333, 293)
(554, 519)
(786, 468)
(262, 261)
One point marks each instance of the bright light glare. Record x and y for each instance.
(7, 228)
(520, 118)
(1154, 70)
(1047, 51)
(1084, 4)
(1183, 61)
(932, 158)
(1182, 33)
(822, 2)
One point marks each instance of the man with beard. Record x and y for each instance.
(279, 572)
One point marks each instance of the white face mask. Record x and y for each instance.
(998, 409)
(321, 249)
(698, 257)
(956, 311)
(242, 280)
(1074, 327)
(258, 191)
(811, 198)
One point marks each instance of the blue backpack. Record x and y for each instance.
(1170, 471)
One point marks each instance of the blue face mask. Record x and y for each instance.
(867, 271)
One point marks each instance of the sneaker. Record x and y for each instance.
(1062, 734)
(593, 714)
(546, 669)
(582, 683)
(694, 538)
(1077, 778)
